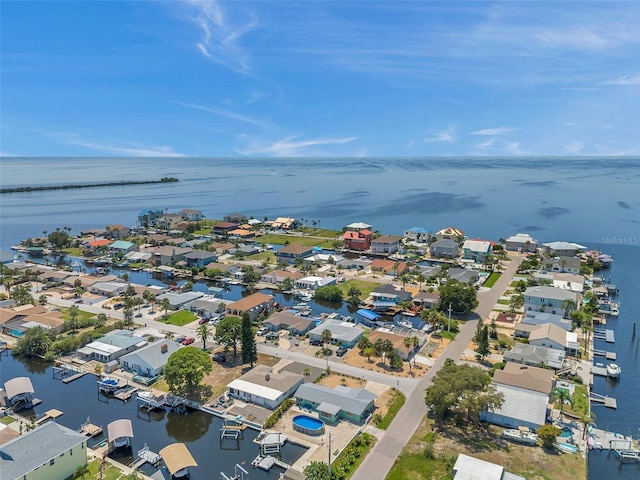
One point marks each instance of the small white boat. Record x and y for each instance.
(566, 448)
(613, 370)
(519, 436)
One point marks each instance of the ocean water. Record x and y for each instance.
(591, 201)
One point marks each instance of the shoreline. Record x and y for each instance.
(87, 185)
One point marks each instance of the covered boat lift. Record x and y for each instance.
(178, 459)
(19, 390)
(120, 432)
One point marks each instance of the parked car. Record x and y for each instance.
(188, 341)
(272, 336)
(202, 321)
(316, 342)
(118, 306)
(179, 339)
(341, 351)
(218, 357)
(262, 331)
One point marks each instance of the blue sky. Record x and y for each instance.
(386, 78)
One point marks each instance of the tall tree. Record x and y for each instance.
(73, 318)
(249, 347)
(483, 342)
(461, 296)
(185, 369)
(326, 335)
(203, 332)
(229, 333)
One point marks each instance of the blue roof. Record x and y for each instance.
(418, 230)
(368, 314)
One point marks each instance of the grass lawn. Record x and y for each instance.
(270, 257)
(301, 240)
(74, 252)
(580, 405)
(395, 404)
(82, 315)
(502, 301)
(7, 420)
(364, 286)
(491, 281)
(180, 318)
(354, 453)
(332, 234)
(109, 472)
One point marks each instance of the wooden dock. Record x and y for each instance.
(49, 415)
(608, 355)
(608, 336)
(146, 456)
(609, 402)
(91, 430)
(125, 393)
(600, 371)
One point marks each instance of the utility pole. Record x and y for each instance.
(449, 323)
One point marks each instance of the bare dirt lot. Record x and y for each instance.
(222, 374)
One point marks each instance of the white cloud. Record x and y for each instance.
(440, 136)
(573, 148)
(221, 35)
(486, 144)
(625, 80)
(288, 147)
(129, 149)
(494, 131)
(226, 114)
(514, 148)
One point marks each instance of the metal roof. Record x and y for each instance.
(18, 385)
(120, 428)
(176, 457)
(351, 400)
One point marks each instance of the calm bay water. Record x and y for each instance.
(590, 201)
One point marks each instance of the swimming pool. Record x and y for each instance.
(566, 433)
(308, 425)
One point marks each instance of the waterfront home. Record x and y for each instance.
(265, 386)
(223, 228)
(342, 333)
(93, 232)
(191, 215)
(521, 407)
(178, 300)
(254, 305)
(244, 249)
(354, 263)
(86, 281)
(538, 318)
(444, 248)
(313, 282)
(236, 218)
(535, 356)
(242, 233)
(56, 276)
(568, 281)
(388, 296)
(123, 247)
(111, 346)
(403, 351)
(108, 289)
(471, 468)
(200, 258)
(417, 235)
(292, 252)
(541, 380)
(116, 232)
(543, 298)
(206, 307)
(551, 336)
(426, 299)
(156, 239)
(284, 223)
(49, 451)
(169, 255)
(388, 267)
(22, 321)
(562, 249)
(168, 221)
(138, 257)
(149, 360)
(463, 275)
(338, 403)
(359, 240)
(147, 218)
(450, 233)
(565, 264)
(476, 250)
(385, 245)
(521, 242)
(357, 227)
(285, 320)
(277, 277)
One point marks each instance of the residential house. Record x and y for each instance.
(156, 239)
(417, 235)
(49, 451)
(200, 258)
(342, 333)
(538, 318)
(565, 264)
(521, 407)
(521, 242)
(562, 249)
(254, 305)
(108, 289)
(450, 233)
(354, 263)
(284, 223)
(168, 221)
(111, 346)
(123, 247)
(444, 248)
(551, 336)
(388, 267)
(403, 351)
(223, 228)
(242, 233)
(138, 257)
(388, 296)
(313, 282)
(426, 299)
(292, 252)
(237, 218)
(470, 468)
(359, 240)
(541, 380)
(178, 300)
(265, 386)
(295, 324)
(147, 218)
(568, 281)
(277, 277)
(543, 298)
(385, 245)
(56, 276)
(463, 275)
(357, 227)
(338, 403)
(170, 255)
(149, 360)
(536, 356)
(476, 250)
(191, 215)
(207, 307)
(116, 231)
(96, 246)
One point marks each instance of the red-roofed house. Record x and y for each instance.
(360, 240)
(388, 267)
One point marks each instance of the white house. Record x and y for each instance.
(520, 407)
(150, 360)
(543, 298)
(476, 250)
(521, 242)
(312, 282)
(264, 386)
(470, 468)
(551, 336)
(417, 235)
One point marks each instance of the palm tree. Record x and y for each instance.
(326, 335)
(73, 317)
(368, 351)
(568, 305)
(203, 332)
(415, 341)
(165, 304)
(562, 395)
(408, 342)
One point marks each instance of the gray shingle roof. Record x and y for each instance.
(352, 400)
(152, 354)
(26, 452)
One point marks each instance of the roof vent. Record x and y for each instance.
(164, 348)
(267, 377)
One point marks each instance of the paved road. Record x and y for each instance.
(383, 455)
